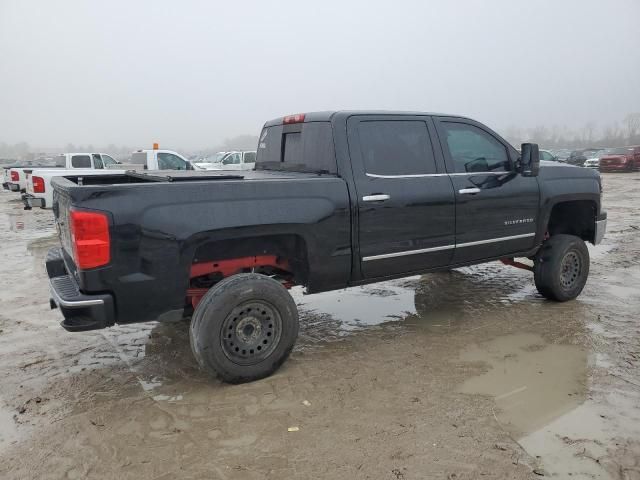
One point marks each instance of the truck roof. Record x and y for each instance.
(327, 116)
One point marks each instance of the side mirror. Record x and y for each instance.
(529, 163)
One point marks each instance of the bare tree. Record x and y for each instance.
(632, 124)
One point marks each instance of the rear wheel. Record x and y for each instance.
(244, 328)
(561, 267)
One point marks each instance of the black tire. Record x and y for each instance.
(244, 328)
(561, 267)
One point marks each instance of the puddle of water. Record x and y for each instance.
(532, 382)
(580, 443)
(369, 305)
(431, 300)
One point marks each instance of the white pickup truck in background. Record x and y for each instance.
(15, 176)
(231, 161)
(156, 159)
(39, 192)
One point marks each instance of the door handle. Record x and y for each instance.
(378, 197)
(469, 191)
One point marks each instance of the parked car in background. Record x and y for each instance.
(548, 156)
(235, 161)
(621, 159)
(578, 157)
(561, 154)
(206, 162)
(594, 161)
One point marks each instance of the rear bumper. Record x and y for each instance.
(30, 201)
(601, 227)
(81, 312)
(14, 187)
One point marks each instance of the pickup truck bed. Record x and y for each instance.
(338, 199)
(156, 238)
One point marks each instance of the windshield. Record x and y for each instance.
(215, 158)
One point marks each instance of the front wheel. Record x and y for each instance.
(244, 328)
(561, 267)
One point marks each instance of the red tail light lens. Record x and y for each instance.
(15, 177)
(90, 239)
(38, 184)
(297, 118)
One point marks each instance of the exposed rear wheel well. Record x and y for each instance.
(573, 218)
(283, 257)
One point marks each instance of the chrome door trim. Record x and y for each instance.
(418, 175)
(446, 247)
(469, 191)
(408, 252)
(494, 240)
(421, 175)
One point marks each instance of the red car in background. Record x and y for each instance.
(622, 159)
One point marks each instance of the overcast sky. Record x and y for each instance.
(189, 74)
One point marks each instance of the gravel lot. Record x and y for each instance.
(463, 374)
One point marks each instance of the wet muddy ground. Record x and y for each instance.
(464, 374)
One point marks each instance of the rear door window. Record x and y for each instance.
(81, 161)
(396, 147)
(250, 157)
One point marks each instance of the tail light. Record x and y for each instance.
(15, 176)
(297, 118)
(90, 239)
(38, 184)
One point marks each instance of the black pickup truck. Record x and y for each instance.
(337, 199)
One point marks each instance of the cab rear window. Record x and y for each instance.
(304, 147)
(81, 161)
